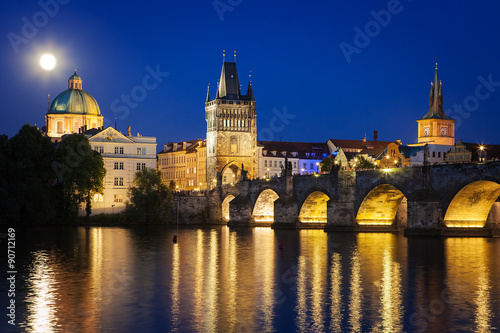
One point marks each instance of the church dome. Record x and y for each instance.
(74, 100)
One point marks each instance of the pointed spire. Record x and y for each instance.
(250, 95)
(229, 86)
(436, 99)
(208, 93)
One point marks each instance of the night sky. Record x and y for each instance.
(293, 49)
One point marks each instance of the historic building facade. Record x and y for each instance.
(184, 165)
(231, 129)
(123, 156)
(71, 110)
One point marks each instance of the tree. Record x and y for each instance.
(326, 164)
(26, 177)
(171, 186)
(363, 163)
(150, 199)
(80, 173)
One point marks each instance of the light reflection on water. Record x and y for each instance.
(221, 279)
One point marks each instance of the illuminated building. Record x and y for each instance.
(184, 163)
(71, 110)
(436, 129)
(123, 156)
(231, 129)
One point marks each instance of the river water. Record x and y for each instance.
(252, 280)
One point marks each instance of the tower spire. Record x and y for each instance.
(208, 93)
(48, 102)
(223, 56)
(436, 99)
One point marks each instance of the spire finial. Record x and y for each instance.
(436, 62)
(250, 77)
(223, 55)
(48, 102)
(115, 121)
(234, 55)
(75, 71)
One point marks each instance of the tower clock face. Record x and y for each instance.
(426, 131)
(444, 130)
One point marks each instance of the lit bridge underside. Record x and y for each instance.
(470, 207)
(263, 210)
(225, 207)
(314, 208)
(380, 206)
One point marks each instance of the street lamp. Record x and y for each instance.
(268, 175)
(387, 161)
(317, 166)
(481, 152)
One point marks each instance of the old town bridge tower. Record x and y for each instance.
(231, 129)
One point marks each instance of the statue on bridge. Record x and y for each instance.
(426, 154)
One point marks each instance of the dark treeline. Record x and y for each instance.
(41, 183)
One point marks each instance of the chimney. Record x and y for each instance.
(375, 135)
(398, 141)
(129, 132)
(174, 146)
(184, 145)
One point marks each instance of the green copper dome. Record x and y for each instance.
(75, 101)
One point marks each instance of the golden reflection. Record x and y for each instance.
(311, 281)
(356, 293)
(469, 279)
(232, 282)
(211, 286)
(42, 295)
(199, 279)
(264, 273)
(175, 285)
(391, 296)
(336, 294)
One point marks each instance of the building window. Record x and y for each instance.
(119, 165)
(118, 198)
(265, 163)
(311, 166)
(433, 154)
(295, 165)
(119, 150)
(275, 164)
(141, 151)
(281, 164)
(304, 165)
(118, 181)
(98, 197)
(59, 127)
(439, 154)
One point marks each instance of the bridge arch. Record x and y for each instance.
(263, 210)
(314, 208)
(470, 207)
(225, 206)
(383, 205)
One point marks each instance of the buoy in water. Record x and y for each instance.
(282, 245)
(174, 239)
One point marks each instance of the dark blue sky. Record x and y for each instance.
(294, 54)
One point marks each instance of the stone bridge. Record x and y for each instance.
(455, 199)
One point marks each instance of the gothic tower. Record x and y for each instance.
(436, 127)
(231, 129)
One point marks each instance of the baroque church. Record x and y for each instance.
(76, 111)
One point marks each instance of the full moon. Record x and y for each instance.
(48, 62)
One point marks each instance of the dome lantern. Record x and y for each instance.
(75, 82)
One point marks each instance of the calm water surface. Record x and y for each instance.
(227, 280)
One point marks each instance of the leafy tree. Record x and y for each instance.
(80, 173)
(171, 186)
(26, 177)
(326, 164)
(363, 163)
(150, 199)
